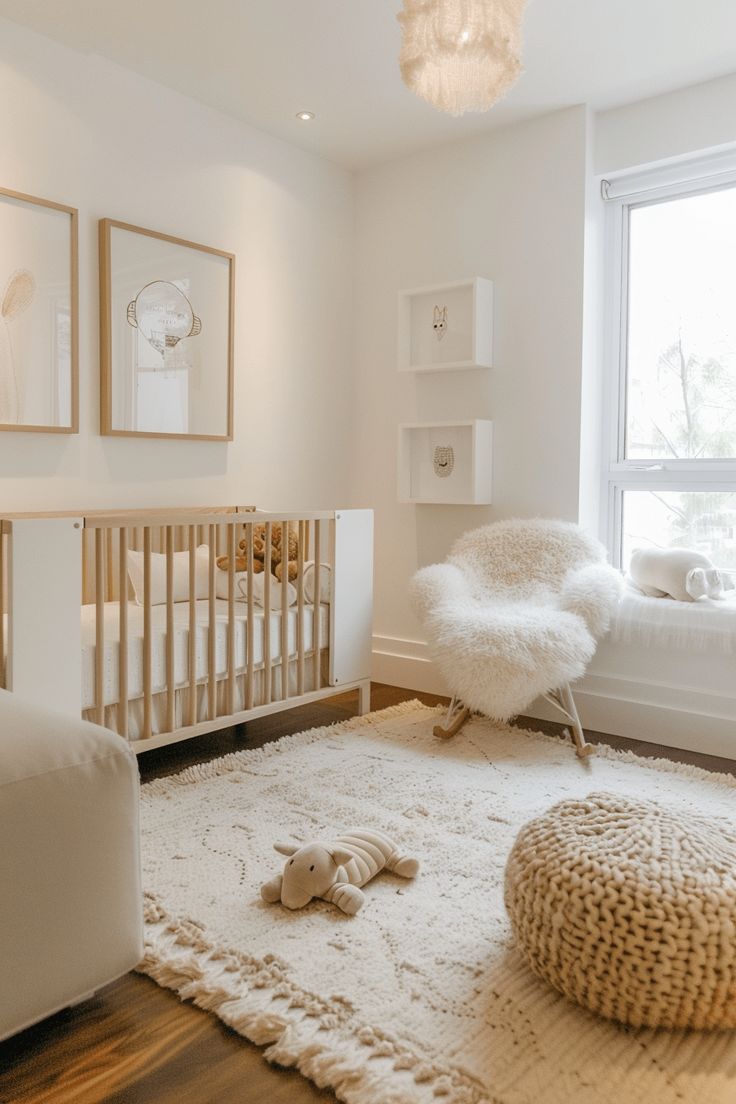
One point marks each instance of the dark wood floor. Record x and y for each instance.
(135, 1043)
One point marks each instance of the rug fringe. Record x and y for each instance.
(236, 760)
(605, 751)
(359, 1063)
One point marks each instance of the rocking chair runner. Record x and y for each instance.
(514, 614)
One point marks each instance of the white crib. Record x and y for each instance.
(196, 652)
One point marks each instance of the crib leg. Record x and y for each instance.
(565, 702)
(457, 715)
(364, 698)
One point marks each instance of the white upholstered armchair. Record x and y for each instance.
(514, 614)
(71, 911)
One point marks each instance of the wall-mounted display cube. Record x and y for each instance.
(446, 328)
(446, 462)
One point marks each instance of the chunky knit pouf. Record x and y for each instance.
(629, 908)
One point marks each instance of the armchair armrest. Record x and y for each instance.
(435, 586)
(71, 911)
(593, 592)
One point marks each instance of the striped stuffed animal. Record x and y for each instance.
(336, 871)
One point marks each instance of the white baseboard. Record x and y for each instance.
(405, 663)
(652, 712)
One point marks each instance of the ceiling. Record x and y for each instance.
(264, 60)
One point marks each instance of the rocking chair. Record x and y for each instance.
(515, 614)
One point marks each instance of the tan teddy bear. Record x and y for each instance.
(259, 553)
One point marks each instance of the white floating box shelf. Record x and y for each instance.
(446, 328)
(446, 462)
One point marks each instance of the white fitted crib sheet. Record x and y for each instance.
(181, 645)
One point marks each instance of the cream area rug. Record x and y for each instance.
(421, 998)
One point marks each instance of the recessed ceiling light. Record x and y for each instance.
(305, 116)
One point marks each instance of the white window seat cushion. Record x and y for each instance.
(662, 622)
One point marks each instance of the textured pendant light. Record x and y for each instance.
(461, 55)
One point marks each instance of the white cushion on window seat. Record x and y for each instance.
(694, 626)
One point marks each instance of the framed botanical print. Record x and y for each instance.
(166, 335)
(39, 329)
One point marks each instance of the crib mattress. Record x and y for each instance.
(111, 667)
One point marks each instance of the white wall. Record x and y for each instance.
(82, 131)
(700, 117)
(521, 206)
(509, 206)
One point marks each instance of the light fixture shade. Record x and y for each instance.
(461, 55)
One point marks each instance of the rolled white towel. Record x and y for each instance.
(259, 589)
(325, 582)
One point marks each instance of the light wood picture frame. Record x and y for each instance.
(39, 315)
(167, 315)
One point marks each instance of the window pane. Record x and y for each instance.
(681, 380)
(702, 520)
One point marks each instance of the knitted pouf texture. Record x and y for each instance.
(629, 908)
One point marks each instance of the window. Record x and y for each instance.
(670, 471)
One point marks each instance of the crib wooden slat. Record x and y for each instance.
(316, 624)
(147, 653)
(123, 624)
(99, 627)
(285, 610)
(192, 659)
(300, 608)
(249, 622)
(211, 635)
(86, 595)
(110, 566)
(3, 606)
(170, 681)
(267, 665)
(231, 551)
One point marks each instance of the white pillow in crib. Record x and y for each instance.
(181, 575)
(325, 582)
(259, 589)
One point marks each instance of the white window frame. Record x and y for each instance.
(621, 196)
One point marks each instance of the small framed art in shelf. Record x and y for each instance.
(446, 463)
(447, 327)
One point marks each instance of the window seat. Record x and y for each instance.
(704, 625)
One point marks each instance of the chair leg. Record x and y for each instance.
(563, 700)
(364, 698)
(457, 715)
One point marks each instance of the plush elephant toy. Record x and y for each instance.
(335, 871)
(678, 573)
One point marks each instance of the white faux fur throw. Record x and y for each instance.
(516, 611)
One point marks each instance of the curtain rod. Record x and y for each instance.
(671, 176)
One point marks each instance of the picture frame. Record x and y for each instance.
(39, 314)
(167, 308)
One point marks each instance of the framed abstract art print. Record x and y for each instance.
(166, 335)
(39, 331)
